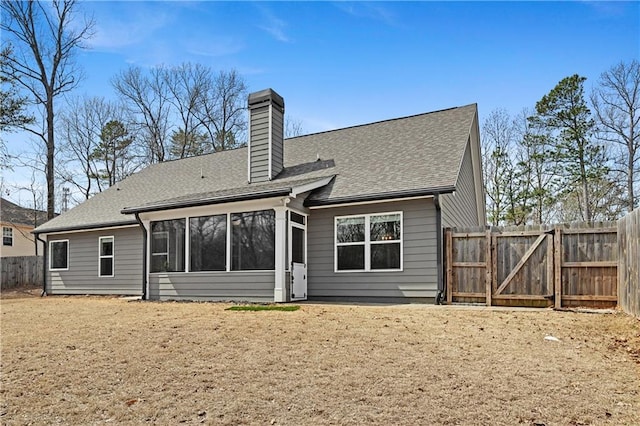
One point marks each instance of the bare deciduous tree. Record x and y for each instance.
(292, 127)
(498, 139)
(188, 85)
(44, 37)
(223, 110)
(96, 154)
(146, 97)
(79, 127)
(13, 115)
(616, 102)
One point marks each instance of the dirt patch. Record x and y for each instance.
(21, 293)
(79, 360)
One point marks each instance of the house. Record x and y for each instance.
(349, 214)
(17, 223)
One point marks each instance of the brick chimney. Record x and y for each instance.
(266, 130)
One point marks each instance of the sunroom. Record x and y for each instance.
(247, 246)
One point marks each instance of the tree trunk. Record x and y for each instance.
(631, 158)
(51, 197)
(584, 181)
(585, 194)
(630, 178)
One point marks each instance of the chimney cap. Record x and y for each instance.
(265, 96)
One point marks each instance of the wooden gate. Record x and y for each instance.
(560, 266)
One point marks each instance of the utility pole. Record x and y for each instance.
(65, 199)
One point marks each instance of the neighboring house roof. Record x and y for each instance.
(414, 155)
(17, 215)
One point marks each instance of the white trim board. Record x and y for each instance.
(362, 203)
(106, 228)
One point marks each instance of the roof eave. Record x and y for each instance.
(84, 227)
(300, 189)
(380, 196)
(206, 201)
(279, 192)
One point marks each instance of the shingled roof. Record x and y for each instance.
(17, 215)
(407, 156)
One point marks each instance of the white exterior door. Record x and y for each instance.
(298, 245)
(299, 281)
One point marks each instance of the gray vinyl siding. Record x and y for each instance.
(82, 275)
(277, 152)
(259, 167)
(259, 155)
(253, 286)
(418, 279)
(460, 209)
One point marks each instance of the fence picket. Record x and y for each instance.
(21, 271)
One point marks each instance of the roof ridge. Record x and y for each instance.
(382, 121)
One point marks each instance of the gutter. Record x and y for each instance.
(381, 196)
(84, 227)
(44, 264)
(441, 290)
(207, 201)
(144, 257)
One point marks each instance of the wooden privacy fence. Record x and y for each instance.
(21, 271)
(561, 266)
(629, 267)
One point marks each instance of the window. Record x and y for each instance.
(253, 240)
(297, 218)
(159, 251)
(208, 243)
(370, 242)
(7, 236)
(59, 255)
(105, 256)
(297, 238)
(168, 246)
(297, 244)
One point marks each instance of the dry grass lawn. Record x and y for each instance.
(90, 360)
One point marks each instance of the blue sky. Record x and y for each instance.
(345, 63)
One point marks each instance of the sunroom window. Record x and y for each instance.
(168, 245)
(208, 243)
(253, 240)
(371, 242)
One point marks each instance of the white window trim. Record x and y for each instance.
(367, 243)
(112, 256)
(10, 229)
(51, 255)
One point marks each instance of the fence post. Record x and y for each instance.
(557, 267)
(449, 256)
(550, 263)
(488, 260)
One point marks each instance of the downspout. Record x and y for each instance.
(440, 294)
(144, 257)
(44, 265)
